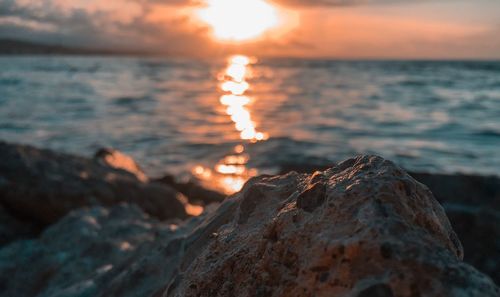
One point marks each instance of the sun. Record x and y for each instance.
(239, 20)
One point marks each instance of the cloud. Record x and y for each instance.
(125, 24)
(166, 26)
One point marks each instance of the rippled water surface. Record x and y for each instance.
(226, 120)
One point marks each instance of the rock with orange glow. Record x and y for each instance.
(362, 228)
(41, 186)
(116, 159)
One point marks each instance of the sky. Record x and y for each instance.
(350, 29)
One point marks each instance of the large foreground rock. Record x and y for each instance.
(362, 228)
(472, 204)
(42, 186)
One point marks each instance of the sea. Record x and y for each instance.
(224, 120)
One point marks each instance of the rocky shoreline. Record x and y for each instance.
(74, 226)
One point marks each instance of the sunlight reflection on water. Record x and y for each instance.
(171, 115)
(231, 172)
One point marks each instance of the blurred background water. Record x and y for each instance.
(227, 120)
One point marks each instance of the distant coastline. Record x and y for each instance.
(10, 46)
(23, 47)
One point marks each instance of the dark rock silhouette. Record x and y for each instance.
(472, 203)
(41, 186)
(12, 228)
(89, 252)
(195, 193)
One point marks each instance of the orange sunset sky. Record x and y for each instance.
(431, 29)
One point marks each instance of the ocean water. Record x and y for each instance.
(226, 120)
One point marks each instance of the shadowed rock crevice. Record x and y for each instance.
(312, 197)
(253, 197)
(378, 290)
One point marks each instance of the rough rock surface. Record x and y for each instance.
(42, 185)
(362, 228)
(472, 204)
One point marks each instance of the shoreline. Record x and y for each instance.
(40, 188)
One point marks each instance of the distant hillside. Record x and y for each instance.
(19, 47)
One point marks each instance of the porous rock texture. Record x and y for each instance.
(42, 186)
(362, 228)
(471, 203)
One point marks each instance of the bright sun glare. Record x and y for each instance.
(238, 20)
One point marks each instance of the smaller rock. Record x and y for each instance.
(116, 159)
(117, 251)
(42, 186)
(195, 193)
